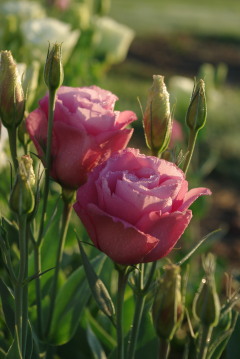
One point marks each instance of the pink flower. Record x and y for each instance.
(135, 207)
(86, 131)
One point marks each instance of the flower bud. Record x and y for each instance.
(53, 71)
(168, 308)
(206, 305)
(23, 135)
(12, 102)
(22, 198)
(197, 110)
(157, 116)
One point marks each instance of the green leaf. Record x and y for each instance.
(96, 348)
(216, 350)
(7, 306)
(99, 291)
(105, 338)
(221, 339)
(29, 345)
(70, 302)
(2, 354)
(14, 351)
(196, 246)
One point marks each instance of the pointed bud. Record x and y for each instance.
(157, 117)
(206, 305)
(197, 110)
(168, 308)
(53, 71)
(22, 198)
(23, 135)
(12, 102)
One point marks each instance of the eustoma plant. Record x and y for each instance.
(135, 209)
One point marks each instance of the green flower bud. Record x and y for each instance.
(197, 110)
(12, 101)
(21, 198)
(206, 305)
(168, 308)
(157, 120)
(23, 135)
(53, 71)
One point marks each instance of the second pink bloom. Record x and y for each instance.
(135, 207)
(86, 131)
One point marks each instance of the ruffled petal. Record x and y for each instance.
(37, 125)
(124, 118)
(123, 243)
(192, 195)
(167, 229)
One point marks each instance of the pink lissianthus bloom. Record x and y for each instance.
(136, 207)
(86, 131)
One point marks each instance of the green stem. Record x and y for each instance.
(164, 349)
(51, 107)
(191, 145)
(12, 136)
(25, 298)
(18, 314)
(122, 281)
(37, 268)
(204, 340)
(139, 306)
(65, 223)
(140, 302)
(150, 277)
(20, 292)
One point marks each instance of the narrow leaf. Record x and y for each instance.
(14, 351)
(105, 338)
(29, 346)
(2, 354)
(70, 302)
(96, 348)
(7, 306)
(99, 291)
(190, 253)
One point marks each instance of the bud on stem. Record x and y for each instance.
(53, 71)
(22, 198)
(168, 308)
(206, 305)
(12, 101)
(195, 118)
(197, 110)
(157, 117)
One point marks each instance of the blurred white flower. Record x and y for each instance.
(182, 84)
(3, 139)
(39, 32)
(23, 10)
(21, 67)
(29, 76)
(112, 39)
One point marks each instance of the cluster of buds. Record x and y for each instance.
(12, 101)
